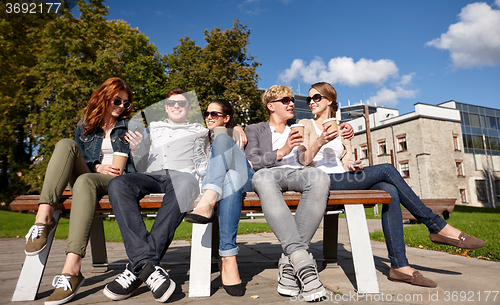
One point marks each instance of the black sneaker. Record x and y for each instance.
(123, 286)
(158, 282)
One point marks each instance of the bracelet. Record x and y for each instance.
(134, 149)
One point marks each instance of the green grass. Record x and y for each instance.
(14, 224)
(482, 223)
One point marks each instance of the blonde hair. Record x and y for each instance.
(274, 92)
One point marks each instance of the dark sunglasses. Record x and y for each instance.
(212, 114)
(315, 98)
(285, 100)
(181, 103)
(118, 102)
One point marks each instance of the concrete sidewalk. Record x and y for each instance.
(461, 280)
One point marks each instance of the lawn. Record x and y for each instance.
(13, 224)
(483, 223)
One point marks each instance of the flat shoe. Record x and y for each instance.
(464, 241)
(416, 279)
(195, 218)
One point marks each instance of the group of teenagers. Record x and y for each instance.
(185, 159)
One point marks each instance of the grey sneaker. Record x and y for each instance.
(158, 282)
(123, 286)
(287, 282)
(306, 271)
(36, 239)
(66, 287)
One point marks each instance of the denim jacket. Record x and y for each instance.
(91, 144)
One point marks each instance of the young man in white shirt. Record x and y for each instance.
(171, 170)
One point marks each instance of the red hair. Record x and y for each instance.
(101, 99)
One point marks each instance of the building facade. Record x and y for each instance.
(427, 147)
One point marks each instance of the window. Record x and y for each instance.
(463, 196)
(382, 149)
(460, 168)
(481, 190)
(455, 142)
(355, 154)
(405, 168)
(364, 151)
(402, 143)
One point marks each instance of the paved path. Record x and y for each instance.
(457, 276)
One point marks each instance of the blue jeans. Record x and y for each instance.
(385, 177)
(125, 191)
(294, 233)
(229, 174)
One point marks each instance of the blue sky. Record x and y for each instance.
(392, 53)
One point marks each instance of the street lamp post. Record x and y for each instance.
(366, 115)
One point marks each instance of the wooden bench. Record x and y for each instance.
(442, 206)
(352, 202)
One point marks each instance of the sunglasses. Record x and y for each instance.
(212, 114)
(285, 100)
(315, 98)
(118, 102)
(181, 103)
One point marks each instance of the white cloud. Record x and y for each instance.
(388, 97)
(341, 70)
(475, 39)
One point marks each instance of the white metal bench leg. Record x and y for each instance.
(362, 255)
(32, 272)
(201, 260)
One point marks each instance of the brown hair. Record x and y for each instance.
(101, 99)
(330, 93)
(175, 91)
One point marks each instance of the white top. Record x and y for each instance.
(106, 152)
(173, 146)
(327, 159)
(279, 140)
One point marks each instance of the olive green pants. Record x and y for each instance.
(67, 166)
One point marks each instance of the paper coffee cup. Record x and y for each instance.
(333, 122)
(219, 130)
(298, 127)
(119, 160)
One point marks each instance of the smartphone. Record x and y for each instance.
(356, 165)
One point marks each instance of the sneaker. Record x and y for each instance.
(158, 282)
(123, 286)
(66, 286)
(306, 271)
(287, 282)
(36, 239)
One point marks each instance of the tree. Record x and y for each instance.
(19, 43)
(222, 69)
(72, 58)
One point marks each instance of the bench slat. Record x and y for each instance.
(251, 200)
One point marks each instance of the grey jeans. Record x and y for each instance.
(67, 166)
(293, 233)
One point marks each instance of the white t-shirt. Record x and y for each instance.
(327, 159)
(279, 140)
(106, 152)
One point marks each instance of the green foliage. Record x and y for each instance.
(54, 64)
(222, 69)
(482, 223)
